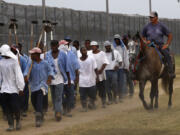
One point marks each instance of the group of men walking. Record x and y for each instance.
(64, 69)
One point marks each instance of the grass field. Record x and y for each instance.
(127, 118)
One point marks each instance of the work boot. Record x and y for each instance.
(58, 116)
(18, 121)
(109, 96)
(38, 119)
(103, 104)
(91, 105)
(115, 100)
(10, 122)
(68, 113)
(84, 106)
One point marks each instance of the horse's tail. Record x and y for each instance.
(166, 80)
(165, 83)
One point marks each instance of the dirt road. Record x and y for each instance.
(127, 117)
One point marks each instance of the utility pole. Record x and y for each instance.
(107, 19)
(150, 6)
(44, 9)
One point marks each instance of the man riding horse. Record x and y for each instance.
(155, 32)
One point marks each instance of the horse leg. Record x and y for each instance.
(156, 90)
(170, 92)
(141, 94)
(152, 94)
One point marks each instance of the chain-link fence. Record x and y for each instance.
(79, 25)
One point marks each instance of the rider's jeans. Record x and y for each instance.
(166, 54)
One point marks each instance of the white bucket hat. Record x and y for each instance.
(107, 43)
(5, 51)
(117, 36)
(94, 43)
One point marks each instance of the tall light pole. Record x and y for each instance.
(107, 17)
(44, 9)
(150, 6)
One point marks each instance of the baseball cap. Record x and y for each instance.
(153, 14)
(94, 43)
(35, 50)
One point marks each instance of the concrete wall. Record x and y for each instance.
(79, 25)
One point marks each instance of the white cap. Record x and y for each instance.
(94, 43)
(5, 51)
(117, 36)
(107, 43)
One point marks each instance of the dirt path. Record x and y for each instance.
(78, 118)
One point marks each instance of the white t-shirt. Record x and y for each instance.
(115, 62)
(87, 76)
(100, 60)
(79, 53)
(125, 58)
(89, 53)
(58, 78)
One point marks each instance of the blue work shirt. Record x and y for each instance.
(23, 63)
(0, 57)
(39, 75)
(155, 32)
(73, 64)
(62, 63)
(73, 49)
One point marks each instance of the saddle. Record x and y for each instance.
(140, 57)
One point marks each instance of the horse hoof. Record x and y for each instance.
(150, 107)
(147, 108)
(169, 106)
(156, 106)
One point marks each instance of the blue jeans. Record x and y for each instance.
(122, 82)
(111, 84)
(37, 101)
(86, 92)
(68, 97)
(101, 91)
(56, 95)
(25, 99)
(168, 60)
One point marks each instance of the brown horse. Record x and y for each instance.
(151, 69)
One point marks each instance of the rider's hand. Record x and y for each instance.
(165, 46)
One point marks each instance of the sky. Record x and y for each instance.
(165, 8)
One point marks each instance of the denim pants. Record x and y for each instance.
(130, 83)
(25, 99)
(68, 97)
(11, 106)
(86, 92)
(122, 82)
(37, 101)
(56, 94)
(10, 103)
(1, 103)
(166, 54)
(111, 84)
(45, 102)
(101, 90)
